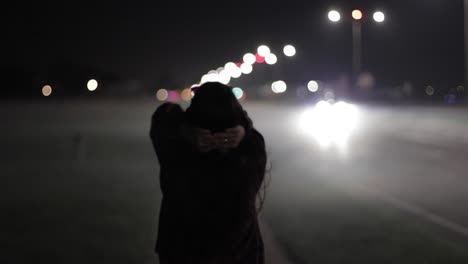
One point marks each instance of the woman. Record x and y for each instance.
(212, 164)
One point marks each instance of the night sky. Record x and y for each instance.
(421, 40)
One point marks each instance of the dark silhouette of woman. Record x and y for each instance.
(212, 164)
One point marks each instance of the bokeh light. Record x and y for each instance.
(366, 81)
(47, 90)
(313, 86)
(186, 94)
(357, 14)
(238, 92)
(271, 59)
(330, 124)
(224, 77)
(246, 68)
(289, 50)
(249, 58)
(334, 16)
(173, 96)
(92, 85)
(232, 70)
(279, 87)
(162, 95)
(211, 76)
(259, 59)
(263, 50)
(230, 66)
(236, 72)
(379, 17)
(430, 90)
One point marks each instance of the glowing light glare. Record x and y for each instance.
(313, 86)
(162, 95)
(263, 50)
(92, 85)
(46, 90)
(379, 17)
(204, 79)
(246, 68)
(271, 59)
(232, 70)
(230, 66)
(236, 73)
(186, 94)
(211, 76)
(279, 87)
(238, 92)
(357, 14)
(289, 50)
(330, 124)
(224, 77)
(334, 16)
(249, 58)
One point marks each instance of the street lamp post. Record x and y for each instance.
(357, 16)
(466, 43)
(357, 49)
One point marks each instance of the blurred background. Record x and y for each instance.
(363, 106)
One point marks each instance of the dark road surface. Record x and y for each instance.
(348, 184)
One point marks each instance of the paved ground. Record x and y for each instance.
(390, 187)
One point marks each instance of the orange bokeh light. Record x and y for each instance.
(357, 14)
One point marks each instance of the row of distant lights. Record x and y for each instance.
(232, 70)
(279, 87)
(430, 90)
(187, 94)
(92, 85)
(357, 14)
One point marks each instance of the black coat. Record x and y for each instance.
(208, 212)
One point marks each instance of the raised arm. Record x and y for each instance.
(166, 133)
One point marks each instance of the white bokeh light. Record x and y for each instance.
(235, 72)
(246, 68)
(211, 76)
(92, 85)
(334, 16)
(231, 68)
(313, 86)
(279, 87)
(330, 124)
(162, 95)
(224, 77)
(379, 17)
(249, 58)
(271, 59)
(263, 50)
(289, 50)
